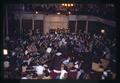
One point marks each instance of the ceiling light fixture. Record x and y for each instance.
(63, 4)
(71, 4)
(5, 52)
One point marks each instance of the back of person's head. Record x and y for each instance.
(46, 73)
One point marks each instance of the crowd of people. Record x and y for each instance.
(59, 56)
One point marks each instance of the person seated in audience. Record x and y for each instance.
(72, 73)
(39, 70)
(46, 75)
(66, 61)
(62, 73)
(24, 68)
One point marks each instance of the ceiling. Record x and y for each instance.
(101, 10)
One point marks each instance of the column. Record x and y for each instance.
(44, 24)
(20, 19)
(6, 22)
(86, 27)
(76, 24)
(33, 21)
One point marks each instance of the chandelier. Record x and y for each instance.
(67, 5)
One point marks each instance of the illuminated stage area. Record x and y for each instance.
(59, 41)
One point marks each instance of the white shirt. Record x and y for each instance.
(26, 52)
(40, 69)
(66, 61)
(105, 73)
(58, 53)
(49, 50)
(24, 68)
(79, 73)
(63, 40)
(76, 66)
(62, 73)
(60, 43)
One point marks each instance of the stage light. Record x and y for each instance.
(68, 5)
(102, 31)
(71, 4)
(63, 4)
(5, 52)
(36, 12)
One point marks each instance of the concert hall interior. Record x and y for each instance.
(59, 41)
